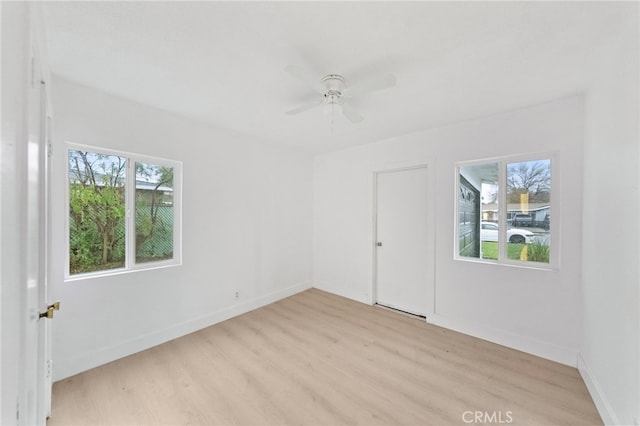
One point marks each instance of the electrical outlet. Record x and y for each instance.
(237, 294)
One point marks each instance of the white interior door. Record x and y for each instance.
(22, 203)
(401, 240)
(38, 330)
(32, 409)
(38, 350)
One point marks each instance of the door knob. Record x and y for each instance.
(49, 312)
(379, 244)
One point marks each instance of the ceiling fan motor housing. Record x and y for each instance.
(334, 84)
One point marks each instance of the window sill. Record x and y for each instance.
(512, 264)
(121, 271)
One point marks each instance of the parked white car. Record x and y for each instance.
(489, 232)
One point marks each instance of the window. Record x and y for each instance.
(123, 211)
(504, 211)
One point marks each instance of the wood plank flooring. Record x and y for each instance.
(319, 359)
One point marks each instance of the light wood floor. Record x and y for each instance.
(319, 359)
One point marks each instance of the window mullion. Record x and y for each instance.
(502, 211)
(130, 203)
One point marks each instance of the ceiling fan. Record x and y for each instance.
(333, 93)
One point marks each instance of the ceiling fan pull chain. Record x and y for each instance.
(332, 116)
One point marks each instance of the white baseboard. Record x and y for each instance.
(599, 399)
(550, 351)
(87, 361)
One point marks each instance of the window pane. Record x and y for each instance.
(154, 212)
(478, 211)
(529, 210)
(96, 212)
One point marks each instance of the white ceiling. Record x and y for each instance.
(223, 62)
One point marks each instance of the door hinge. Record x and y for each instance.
(49, 371)
(49, 150)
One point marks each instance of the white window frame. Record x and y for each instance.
(130, 196)
(554, 257)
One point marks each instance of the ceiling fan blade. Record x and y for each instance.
(304, 75)
(305, 107)
(368, 86)
(351, 114)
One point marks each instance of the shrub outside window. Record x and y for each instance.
(124, 212)
(504, 210)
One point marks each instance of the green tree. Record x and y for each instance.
(96, 211)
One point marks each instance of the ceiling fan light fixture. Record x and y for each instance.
(332, 98)
(332, 109)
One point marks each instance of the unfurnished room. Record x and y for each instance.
(323, 213)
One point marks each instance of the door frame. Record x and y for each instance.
(430, 231)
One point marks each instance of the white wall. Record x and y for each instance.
(247, 210)
(534, 310)
(610, 353)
